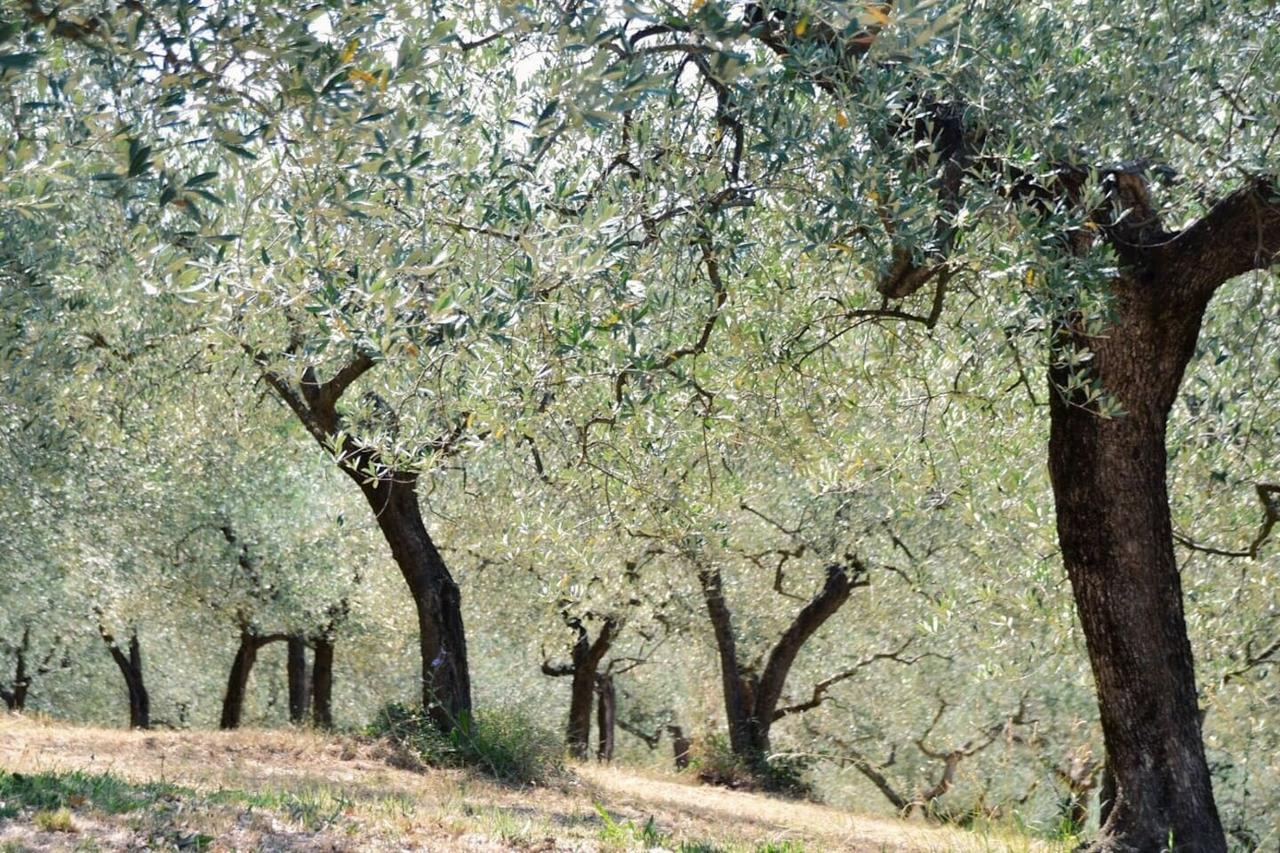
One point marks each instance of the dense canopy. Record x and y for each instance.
(694, 363)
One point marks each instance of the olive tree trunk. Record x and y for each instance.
(322, 682)
(299, 679)
(1116, 537)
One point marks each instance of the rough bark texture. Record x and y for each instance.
(322, 683)
(446, 679)
(606, 717)
(1117, 543)
(299, 679)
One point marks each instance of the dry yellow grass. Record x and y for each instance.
(285, 790)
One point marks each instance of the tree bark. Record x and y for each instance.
(751, 701)
(238, 678)
(322, 683)
(446, 678)
(393, 497)
(586, 657)
(130, 666)
(681, 746)
(1116, 537)
(606, 717)
(298, 678)
(15, 698)
(737, 690)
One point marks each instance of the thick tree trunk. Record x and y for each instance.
(446, 678)
(322, 683)
(1116, 538)
(606, 717)
(298, 678)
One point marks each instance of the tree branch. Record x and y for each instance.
(1240, 233)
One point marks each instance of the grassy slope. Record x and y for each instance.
(76, 788)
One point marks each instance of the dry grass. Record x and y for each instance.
(284, 790)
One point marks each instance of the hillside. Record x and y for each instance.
(75, 788)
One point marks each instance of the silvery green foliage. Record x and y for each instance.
(636, 276)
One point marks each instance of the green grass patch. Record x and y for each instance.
(49, 792)
(501, 742)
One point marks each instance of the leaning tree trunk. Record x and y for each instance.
(297, 676)
(606, 717)
(446, 680)
(1116, 537)
(238, 678)
(393, 497)
(322, 683)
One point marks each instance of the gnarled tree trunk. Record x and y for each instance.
(584, 669)
(751, 701)
(1116, 537)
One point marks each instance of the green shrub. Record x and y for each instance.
(779, 773)
(501, 742)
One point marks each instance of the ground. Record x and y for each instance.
(68, 787)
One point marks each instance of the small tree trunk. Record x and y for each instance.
(446, 678)
(130, 667)
(681, 746)
(299, 682)
(739, 700)
(139, 700)
(1116, 537)
(238, 680)
(606, 716)
(751, 702)
(16, 699)
(322, 683)
(578, 731)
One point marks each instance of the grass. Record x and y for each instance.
(300, 790)
(55, 792)
(503, 743)
(54, 821)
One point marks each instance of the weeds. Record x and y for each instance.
(58, 820)
(502, 743)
